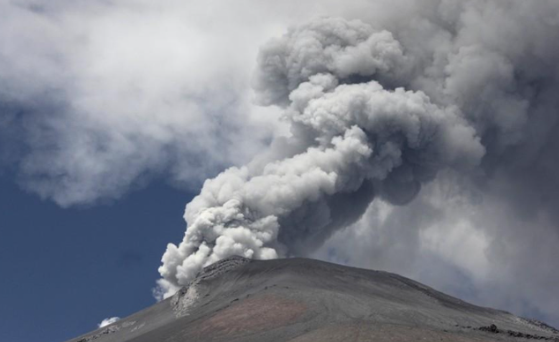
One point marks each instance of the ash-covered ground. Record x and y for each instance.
(303, 300)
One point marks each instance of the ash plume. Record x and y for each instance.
(353, 141)
(376, 110)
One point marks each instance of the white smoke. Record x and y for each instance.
(108, 321)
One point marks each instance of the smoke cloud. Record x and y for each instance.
(355, 140)
(378, 106)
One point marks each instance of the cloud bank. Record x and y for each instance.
(99, 97)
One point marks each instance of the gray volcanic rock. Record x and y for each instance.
(302, 300)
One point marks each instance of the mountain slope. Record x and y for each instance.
(302, 300)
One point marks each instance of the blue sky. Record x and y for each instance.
(64, 270)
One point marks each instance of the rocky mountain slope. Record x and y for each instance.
(302, 300)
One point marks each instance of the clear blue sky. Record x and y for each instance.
(64, 270)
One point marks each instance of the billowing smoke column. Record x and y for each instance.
(352, 140)
(469, 86)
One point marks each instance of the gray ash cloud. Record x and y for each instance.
(376, 111)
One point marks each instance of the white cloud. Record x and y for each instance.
(112, 94)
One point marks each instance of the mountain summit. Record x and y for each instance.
(303, 300)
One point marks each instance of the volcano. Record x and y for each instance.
(303, 300)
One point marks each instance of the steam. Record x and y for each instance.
(108, 321)
(352, 140)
